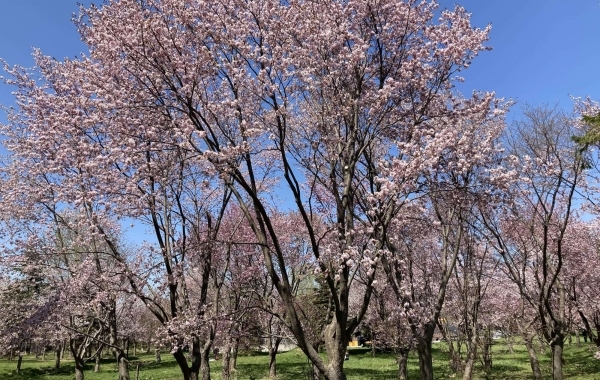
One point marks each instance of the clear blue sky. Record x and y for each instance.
(543, 50)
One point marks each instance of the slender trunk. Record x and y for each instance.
(373, 344)
(557, 358)
(157, 355)
(487, 350)
(273, 364)
(454, 361)
(402, 359)
(234, 353)
(470, 362)
(122, 365)
(57, 355)
(97, 364)
(273, 348)
(509, 344)
(19, 362)
(533, 360)
(118, 353)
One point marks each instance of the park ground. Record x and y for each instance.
(292, 365)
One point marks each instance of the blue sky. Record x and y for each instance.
(543, 50)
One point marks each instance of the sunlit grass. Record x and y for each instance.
(579, 364)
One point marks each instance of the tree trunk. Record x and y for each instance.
(157, 355)
(196, 357)
(470, 362)
(78, 368)
(191, 372)
(226, 363)
(122, 365)
(557, 358)
(316, 374)
(19, 362)
(533, 360)
(423, 339)
(425, 359)
(402, 359)
(78, 373)
(273, 348)
(57, 355)
(336, 344)
(97, 364)
(373, 344)
(117, 352)
(204, 361)
(234, 353)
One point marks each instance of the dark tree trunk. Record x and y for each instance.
(19, 362)
(273, 348)
(78, 367)
(196, 358)
(487, 350)
(557, 357)
(423, 341)
(425, 359)
(190, 372)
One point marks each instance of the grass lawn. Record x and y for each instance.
(579, 364)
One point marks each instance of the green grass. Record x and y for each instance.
(579, 364)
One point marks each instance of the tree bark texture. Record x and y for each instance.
(402, 359)
(533, 360)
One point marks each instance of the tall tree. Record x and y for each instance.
(530, 233)
(317, 99)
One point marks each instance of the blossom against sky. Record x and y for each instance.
(544, 51)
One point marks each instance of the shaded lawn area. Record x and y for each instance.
(579, 364)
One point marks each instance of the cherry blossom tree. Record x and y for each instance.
(530, 233)
(181, 106)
